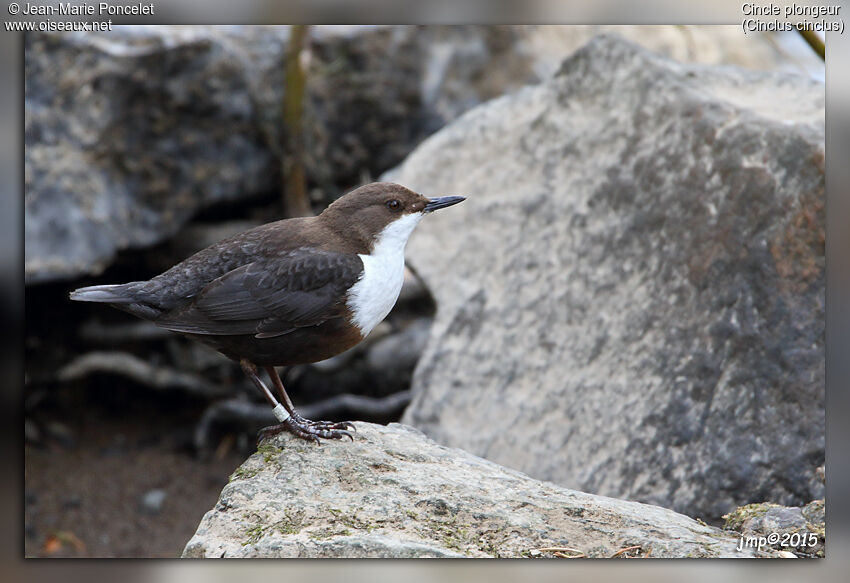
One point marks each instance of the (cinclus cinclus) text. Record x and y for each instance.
(290, 292)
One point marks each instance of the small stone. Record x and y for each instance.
(152, 500)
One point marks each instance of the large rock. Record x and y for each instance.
(631, 300)
(130, 132)
(394, 493)
(127, 135)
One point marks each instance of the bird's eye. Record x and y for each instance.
(393, 204)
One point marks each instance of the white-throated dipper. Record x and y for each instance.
(290, 292)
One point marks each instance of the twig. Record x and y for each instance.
(561, 552)
(625, 550)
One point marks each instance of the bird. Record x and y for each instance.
(290, 292)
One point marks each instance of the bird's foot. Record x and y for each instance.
(309, 430)
(348, 425)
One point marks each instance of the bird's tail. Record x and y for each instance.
(112, 294)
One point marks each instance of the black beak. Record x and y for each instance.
(442, 202)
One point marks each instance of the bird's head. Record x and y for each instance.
(383, 211)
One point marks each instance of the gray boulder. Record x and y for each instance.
(127, 135)
(631, 300)
(394, 493)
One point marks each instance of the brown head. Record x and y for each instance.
(366, 212)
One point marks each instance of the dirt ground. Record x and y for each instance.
(87, 480)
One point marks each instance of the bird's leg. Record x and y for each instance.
(278, 384)
(287, 421)
(282, 414)
(281, 391)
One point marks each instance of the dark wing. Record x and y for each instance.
(270, 297)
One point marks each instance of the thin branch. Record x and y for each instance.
(562, 552)
(625, 550)
(295, 199)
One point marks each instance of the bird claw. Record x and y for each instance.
(331, 425)
(309, 430)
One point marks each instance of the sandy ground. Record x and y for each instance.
(84, 493)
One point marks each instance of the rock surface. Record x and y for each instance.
(394, 493)
(631, 300)
(129, 133)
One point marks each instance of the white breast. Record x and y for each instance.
(375, 293)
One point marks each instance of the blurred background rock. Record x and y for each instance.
(145, 144)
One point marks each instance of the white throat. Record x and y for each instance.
(375, 293)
